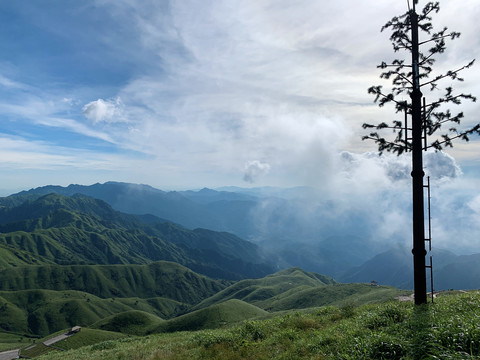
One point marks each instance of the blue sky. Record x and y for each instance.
(182, 94)
(190, 94)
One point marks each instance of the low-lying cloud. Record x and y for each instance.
(370, 197)
(390, 168)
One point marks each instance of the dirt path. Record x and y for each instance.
(9, 355)
(57, 339)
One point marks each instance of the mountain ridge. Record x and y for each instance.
(80, 229)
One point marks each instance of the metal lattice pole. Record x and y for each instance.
(419, 252)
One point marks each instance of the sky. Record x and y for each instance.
(191, 94)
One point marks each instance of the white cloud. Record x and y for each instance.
(22, 153)
(9, 83)
(389, 169)
(109, 111)
(474, 204)
(254, 169)
(440, 166)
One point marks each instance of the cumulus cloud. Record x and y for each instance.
(103, 111)
(391, 169)
(255, 169)
(441, 166)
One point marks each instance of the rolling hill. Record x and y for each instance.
(295, 288)
(160, 297)
(215, 316)
(158, 279)
(81, 230)
(42, 312)
(133, 322)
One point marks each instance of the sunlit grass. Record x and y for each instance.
(448, 329)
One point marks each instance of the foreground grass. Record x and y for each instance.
(448, 329)
(83, 338)
(10, 341)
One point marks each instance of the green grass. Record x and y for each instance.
(336, 294)
(261, 292)
(297, 289)
(9, 341)
(36, 350)
(130, 322)
(157, 279)
(215, 316)
(448, 329)
(83, 338)
(88, 337)
(41, 312)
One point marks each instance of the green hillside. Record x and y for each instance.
(41, 312)
(215, 316)
(336, 294)
(82, 230)
(131, 322)
(394, 330)
(158, 279)
(262, 292)
(88, 336)
(113, 295)
(12, 256)
(38, 300)
(83, 338)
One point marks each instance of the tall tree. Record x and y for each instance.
(412, 77)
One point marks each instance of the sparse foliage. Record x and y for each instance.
(439, 124)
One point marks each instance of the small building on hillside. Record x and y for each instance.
(75, 329)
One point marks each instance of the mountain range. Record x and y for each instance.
(68, 255)
(267, 217)
(58, 229)
(280, 239)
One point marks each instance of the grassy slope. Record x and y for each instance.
(262, 292)
(172, 291)
(83, 338)
(41, 312)
(88, 337)
(10, 341)
(11, 256)
(82, 230)
(77, 243)
(336, 294)
(447, 329)
(131, 322)
(215, 316)
(233, 310)
(159, 279)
